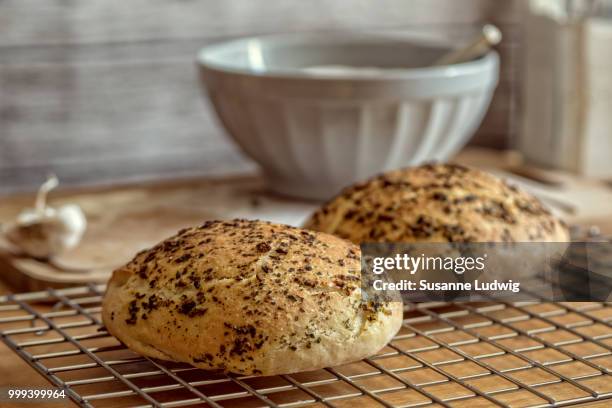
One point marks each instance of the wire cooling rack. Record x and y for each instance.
(535, 354)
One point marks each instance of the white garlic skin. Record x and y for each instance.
(48, 232)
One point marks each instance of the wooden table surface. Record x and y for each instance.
(591, 204)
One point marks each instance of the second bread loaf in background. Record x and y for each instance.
(437, 203)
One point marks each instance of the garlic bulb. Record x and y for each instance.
(43, 231)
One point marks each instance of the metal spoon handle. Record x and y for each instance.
(489, 35)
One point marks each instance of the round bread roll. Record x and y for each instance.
(248, 297)
(437, 203)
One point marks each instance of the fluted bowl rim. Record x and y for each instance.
(211, 58)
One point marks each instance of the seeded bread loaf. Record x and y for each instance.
(437, 203)
(248, 297)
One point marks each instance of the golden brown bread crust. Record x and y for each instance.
(437, 203)
(248, 297)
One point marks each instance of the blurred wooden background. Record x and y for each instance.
(105, 91)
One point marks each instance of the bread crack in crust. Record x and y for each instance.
(248, 297)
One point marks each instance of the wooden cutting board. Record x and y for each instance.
(122, 221)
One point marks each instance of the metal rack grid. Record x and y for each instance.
(446, 355)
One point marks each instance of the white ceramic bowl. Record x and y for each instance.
(314, 131)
